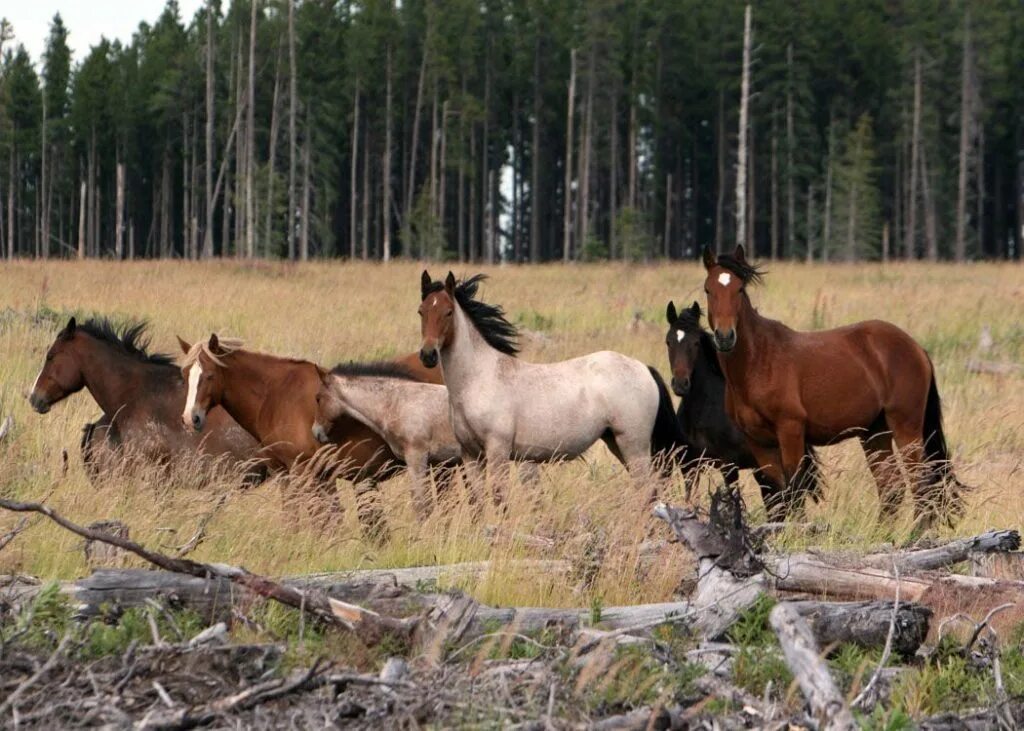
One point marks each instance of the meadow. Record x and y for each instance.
(589, 509)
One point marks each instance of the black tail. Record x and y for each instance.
(668, 445)
(936, 453)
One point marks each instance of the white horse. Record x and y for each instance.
(504, 408)
(412, 417)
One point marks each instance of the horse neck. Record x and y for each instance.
(366, 399)
(469, 356)
(752, 343)
(112, 378)
(245, 388)
(707, 379)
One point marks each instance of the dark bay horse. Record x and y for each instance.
(710, 434)
(141, 395)
(787, 389)
(274, 399)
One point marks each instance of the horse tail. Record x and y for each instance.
(936, 452)
(667, 440)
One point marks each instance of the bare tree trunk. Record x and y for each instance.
(208, 172)
(82, 220)
(790, 142)
(585, 149)
(472, 248)
(632, 149)
(485, 193)
(238, 204)
(966, 135)
(535, 160)
(810, 222)
(567, 220)
(385, 172)
(720, 202)
(851, 229)
(119, 214)
(910, 239)
(250, 140)
(775, 186)
(490, 217)
(885, 242)
(613, 173)
(91, 194)
(366, 200)
(432, 182)
(930, 225)
(306, 183)
(44, 219)
(292, 112)
(826, 236)
(741, 156)
(353, 175)
(411, 179)
(131, 239)
(441, 168)
(980, 162)
(666, 240)
(186, 244)
(268, 236)
(165, 205)
(751, 194)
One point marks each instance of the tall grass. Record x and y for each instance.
(596, 515)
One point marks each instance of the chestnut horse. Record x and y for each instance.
(711, 436)
(274, 399)
(141, 395)
(787, 389)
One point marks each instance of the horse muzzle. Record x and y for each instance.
(39, 403)
(320, 434)
(428, 357)
(725, 341)
(198, 420)
(680, 387)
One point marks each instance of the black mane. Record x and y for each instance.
(489, 320)
(749, 273)
(378, 369)
(131, 339)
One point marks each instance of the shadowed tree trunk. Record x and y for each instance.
(741, 155)
(292, 112)
(210, 197)
(567, 220)
(354, 164)
(966, 134)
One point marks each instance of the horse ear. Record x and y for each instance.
(322, 372)
(695, 309)
(449, 283)
(425, 282)
(185, 347)
(670, 313)
(709, 258)
(69, 329)
(214, 344)
(740, 254)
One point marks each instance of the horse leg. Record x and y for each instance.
(499, 456)
(419, 474)
(369, 510)
(927, 494)
(877, 444)
(771, 480)
(636, 457)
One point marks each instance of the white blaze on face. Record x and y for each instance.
(724, 278)
(679, 336)
(35, 383)
(193, 386)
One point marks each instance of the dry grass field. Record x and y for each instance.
(336, 312)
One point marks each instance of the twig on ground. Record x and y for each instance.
(864, 695)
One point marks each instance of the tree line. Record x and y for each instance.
(522, 130)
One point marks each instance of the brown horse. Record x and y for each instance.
(141, 395)
(788, 389)
(274, 399)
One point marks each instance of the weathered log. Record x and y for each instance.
(810, 670)
(1006, 566)
(956, 551)
(866, 623)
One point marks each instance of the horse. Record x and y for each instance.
(710, 435)
(141, 395)
(274, 399)
(786, 389)
(505, 408)
(411, 416)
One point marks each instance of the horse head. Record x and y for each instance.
(61, 374)
(683, 341)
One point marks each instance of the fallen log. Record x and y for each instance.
(954, 552)
(810, 670)
(866, 624)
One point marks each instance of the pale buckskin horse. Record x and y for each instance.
(504, 408)
(274, 399)
(787, 389)
(411, 416)
(141, 395)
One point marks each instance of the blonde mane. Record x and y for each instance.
(227, 347)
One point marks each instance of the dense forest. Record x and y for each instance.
(523, 130)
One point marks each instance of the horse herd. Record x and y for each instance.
(755, 395)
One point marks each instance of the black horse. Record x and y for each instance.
(711, 436)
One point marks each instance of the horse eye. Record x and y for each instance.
(449, 313)
(49, 357)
